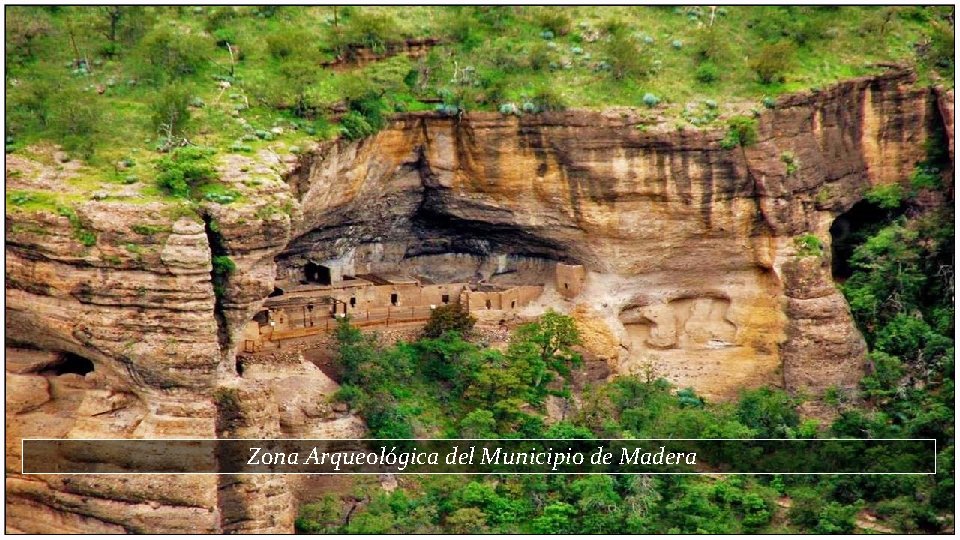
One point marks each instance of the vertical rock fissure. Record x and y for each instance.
(219, 281)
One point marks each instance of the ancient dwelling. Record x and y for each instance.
(311, 305)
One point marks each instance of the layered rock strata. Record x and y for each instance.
(688, 249)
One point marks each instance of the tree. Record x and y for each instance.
(185, 168)
(75, 119)
(467, 521)
(169, 54)
(448, 358)
(452, 317)
(122, 25)
(772, 62)
(627, 56)
(171, 111)
(771, 412)
(25, 26)
(553, 335)
(478, 424)
(556, 519)
(599, 504)
(29, 104)
(354, 350)
(364, 29)
(712, 45)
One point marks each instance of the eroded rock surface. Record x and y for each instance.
(691, 271)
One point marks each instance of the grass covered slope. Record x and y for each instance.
(106, 82)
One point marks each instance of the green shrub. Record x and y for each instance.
(291, 43)
(772, 62)
(185, 168)
(808, 245)
(229, 409)
(80, 232)
(741, 131)
(25, 27)
(925, 178)
(218, 17)
(319, 518)
(147, 230)
(772, 413)
(941, 51)
(366, 29)
(171, 111)
(707, 72)
(223, 266)
(885, 375)
(354, 126)
(836, 518)
(169, 54)
(791, 161)
(712, 45)
(76, 120)
(627, 57)
(886, 196)
(29, 104)
(540, 56)
(553, 19)
(650, 100)
(449, 318)
(548, 99)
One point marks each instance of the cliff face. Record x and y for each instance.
(689, 251)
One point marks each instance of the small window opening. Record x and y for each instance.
(445, 298)
(394, 299)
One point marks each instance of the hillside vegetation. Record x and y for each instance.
(117, 85)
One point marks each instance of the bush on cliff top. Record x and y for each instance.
(184, 169)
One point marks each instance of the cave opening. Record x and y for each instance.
(70, 363)
(851, 229)
(317, 273)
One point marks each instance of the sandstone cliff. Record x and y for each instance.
(689, 250)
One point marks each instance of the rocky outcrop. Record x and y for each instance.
(688, 250)
(822, 349)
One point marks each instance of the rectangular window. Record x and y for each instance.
(445, 299)
(394, 299)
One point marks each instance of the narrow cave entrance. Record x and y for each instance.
(70, 363)
(851, 229)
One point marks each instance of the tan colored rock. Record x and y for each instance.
(25, 392)
(595, 336)
(686, 247)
